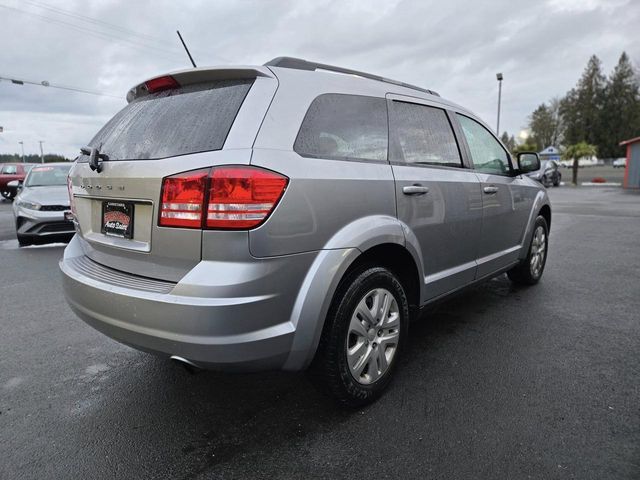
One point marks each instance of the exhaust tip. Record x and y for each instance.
(188, 365)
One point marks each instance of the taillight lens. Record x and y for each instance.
(242, 197)
(161, 83)
(233, 197)
(183, 199)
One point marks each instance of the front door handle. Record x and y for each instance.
(490, 190)
(415, 190)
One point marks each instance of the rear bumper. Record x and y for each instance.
(243, 323)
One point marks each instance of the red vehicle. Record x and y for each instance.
(10, 172)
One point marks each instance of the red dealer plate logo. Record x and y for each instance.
(117, 219)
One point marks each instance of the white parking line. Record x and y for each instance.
(596, 184)
(13, 245)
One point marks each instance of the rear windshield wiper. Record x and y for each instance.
(95, 157)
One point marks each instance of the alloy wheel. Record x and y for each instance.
(538, 252)
(372, 339)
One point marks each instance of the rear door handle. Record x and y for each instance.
(415, 190)
(490, 190)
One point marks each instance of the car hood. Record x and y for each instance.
(57, 195)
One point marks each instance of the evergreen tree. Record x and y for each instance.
(582, 107)
(544, 124)
(620, 118)
(508, 141)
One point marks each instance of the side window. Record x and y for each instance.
(9, 170)
(487, 154)
(422, 135)
(343, 127)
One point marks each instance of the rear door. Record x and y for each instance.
(186, 127)
(438, 195)
(507, 199)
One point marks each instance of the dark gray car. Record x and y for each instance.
(285, 217)
(548, 174)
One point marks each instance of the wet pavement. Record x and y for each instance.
(498, 382)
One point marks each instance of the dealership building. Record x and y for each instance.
(632, 170)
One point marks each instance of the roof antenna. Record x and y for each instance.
(185, 47)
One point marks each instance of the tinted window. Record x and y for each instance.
(487, 153)
(344, 127)
(47, 176)
(190, 119)
(422, 135)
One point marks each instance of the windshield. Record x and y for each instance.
(48, 176)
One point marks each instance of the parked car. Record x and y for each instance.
(10, 172)
(582, 162)
(41, 208)
(548, 173)
(620, 162)
(299, 225)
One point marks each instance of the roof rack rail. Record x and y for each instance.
(300, 64)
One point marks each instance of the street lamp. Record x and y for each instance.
(41, 152)
(499, 78)
(22, 145)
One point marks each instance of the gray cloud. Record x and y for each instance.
(451, 46)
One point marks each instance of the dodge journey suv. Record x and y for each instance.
(290, 216)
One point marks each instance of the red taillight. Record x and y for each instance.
(161, 83)
(183, 199)
(242, 197)
(239, 197)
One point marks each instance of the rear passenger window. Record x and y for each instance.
(344, 127)
(422, 135)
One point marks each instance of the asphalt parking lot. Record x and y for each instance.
(498, 382)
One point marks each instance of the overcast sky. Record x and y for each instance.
(453, 47)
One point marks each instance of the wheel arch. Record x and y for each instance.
(545, 211)
(395, 258)
(541, 206)
(375, 241)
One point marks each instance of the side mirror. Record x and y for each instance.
(528, 162)
(17, 184)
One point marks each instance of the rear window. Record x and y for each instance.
(344, 127)
(190, 119)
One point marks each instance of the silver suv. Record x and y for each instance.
(292, 215)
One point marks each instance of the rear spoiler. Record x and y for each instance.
(203, 74)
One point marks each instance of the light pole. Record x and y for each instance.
(499, 78)
(41, 152)
(22, 145)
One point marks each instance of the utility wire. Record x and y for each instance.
(107, 35)
(61, 87)
(118, 28)
(95, 21)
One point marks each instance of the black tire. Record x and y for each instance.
(8, 194)
(330, 368)
(525, 273)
